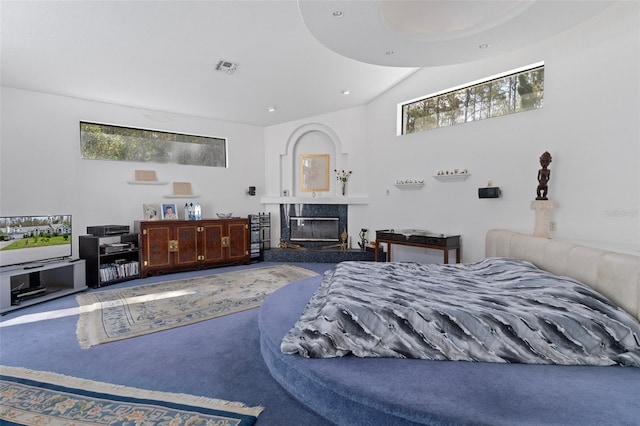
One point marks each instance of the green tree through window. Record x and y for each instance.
(107, 142)
(521, 91)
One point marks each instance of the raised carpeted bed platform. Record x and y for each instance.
(357, 391)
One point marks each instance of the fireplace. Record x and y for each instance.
(314, 228)
(313, 225)
(320, 239)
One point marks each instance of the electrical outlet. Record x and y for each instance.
(552, 226)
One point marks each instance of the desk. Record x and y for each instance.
(418, 238)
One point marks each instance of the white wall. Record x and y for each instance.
(42, 172)
(589, 124)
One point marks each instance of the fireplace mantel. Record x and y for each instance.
(315, 200)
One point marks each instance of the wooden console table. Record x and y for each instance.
(418, 238)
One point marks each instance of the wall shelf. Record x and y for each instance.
(181, 196)
(144, 182)
(453, 177)
(409, 185)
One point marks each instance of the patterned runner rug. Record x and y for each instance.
(30, 397)
(110, 315)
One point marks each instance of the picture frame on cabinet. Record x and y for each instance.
(169, 211)
(151, 211)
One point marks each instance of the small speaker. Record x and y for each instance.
(491, 192)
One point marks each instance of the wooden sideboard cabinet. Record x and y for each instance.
(178, 245)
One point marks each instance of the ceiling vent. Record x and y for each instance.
(225, 66)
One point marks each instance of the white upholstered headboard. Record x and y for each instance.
(615, 275)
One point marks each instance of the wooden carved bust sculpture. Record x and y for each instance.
(544, 174)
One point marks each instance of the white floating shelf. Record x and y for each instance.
(409, 185)
(146, 182)
(452, 178)
(181, 196)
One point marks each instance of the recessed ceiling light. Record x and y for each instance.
(346, 91)
(337, 14)
(483, 46)
(271, 109)
(389, 52)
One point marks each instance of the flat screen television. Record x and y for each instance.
(28, 239)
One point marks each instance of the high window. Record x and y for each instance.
(516, 91)
(107, 142)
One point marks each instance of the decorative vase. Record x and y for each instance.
(344, 188)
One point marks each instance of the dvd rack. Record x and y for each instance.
(260, 237)
(110, 259)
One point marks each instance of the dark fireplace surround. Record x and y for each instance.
(315, 251)
(326, 214)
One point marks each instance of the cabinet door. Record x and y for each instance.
(212, 234)
(155, 247)
(188, 248)
(238, 240)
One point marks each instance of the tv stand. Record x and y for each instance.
(27, 285)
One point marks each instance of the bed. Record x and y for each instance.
(388, 390)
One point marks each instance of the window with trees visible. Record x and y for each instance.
(107, 142)
(515, 92)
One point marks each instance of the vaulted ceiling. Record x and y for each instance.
(297, 57)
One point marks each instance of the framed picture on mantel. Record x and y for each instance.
(314, 172)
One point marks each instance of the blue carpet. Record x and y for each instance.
(219, 358)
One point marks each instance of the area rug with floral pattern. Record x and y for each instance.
(30, 397)
(110, 315)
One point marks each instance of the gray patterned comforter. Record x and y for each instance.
(495, 310)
